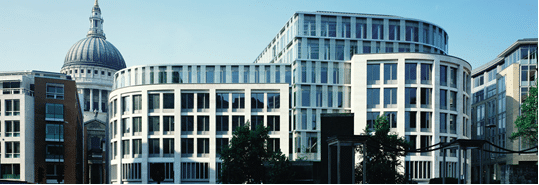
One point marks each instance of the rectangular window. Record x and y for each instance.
(137, 148)
(54, 112)
(55, 91)
(373, 74)
(210, 74)
(11, 87)
(235, 74)
(13, 129)
(257, 101)
(137, 103)
(303, 72)
(345, 27)
(453, 77)
(392, 118)
(238, 100)
(411, 121)
(153, 101)
(426, 97)
(104, 100)
(336, 73)
(162, 75)
(453, 123)
(131, 171)
(373, 98)
(425, 121)
(237, 121)
(53, 132)
(273, 123)
(273, 145)
(177, 74)
(361, 28)
(371, 117)
(246, 74)
(274, 101)
(425, 142)
(221, 123)
(168, 100)
(203, 147)
(187, 100)
(412, 32)
(305, 96)
(377, 29)
(222, 101)
(324, 73)
(125, 127)
(443, 122)
(168, 147)
(390, 73)
(153, 125)
(203, 100)
(54, 153)
(330, 96)
(443, 75)
(339, 50)
(125, 104)
(312, 143)
(221, 143)
(12, 108)
(187, 124)
(453, 100)
(318, 96)
(256, 121)
(11, 171)
(137, 126)
(411, 73)
(195, 171)
(443, 99)
(312, 49)
(390, 97)
(309, 25)
(394, 30)
(426, 73)
(153, 147)
(277, 74)
(13, 150)
(125, 148)
(203, 125)
(411, 97)
(168, 125)
(267, 71)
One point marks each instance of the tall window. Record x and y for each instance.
(426, 73)
(394, 30)
(361, 28)
(273, 123)
(328, 26)
(426, 97)
(453, 100)
(267, 71)
(246, 74)
(390, 73)
(235, 74)
(411, 121)
(221, 143)
(187, 100)
(390, 97)
(453, 77)
(339, 50)
(203, 147)
(443, 122)
(168, 124)
(318, 96)
(153, 101)
(187, 146)
(137, 148)
(336, 73)
(256, 121)
(309, 25)
(411, 97)
(411, 73)
(137, 103)
(312, 49)
(443, 75)
(13, 128)
(371, 117)
(312, 143)
(274, 101)
(425, 121)
(443, 99)
(203, 100)
(12, 107)
(153, 147)
(222, 101)
(305, 96)
(373, 98)
(238, 100)
(125, 127)
(257, 100)
(177, 74)
(55, 91)
(137, 126)
(187, 124)
(345, 27)
(153, 125)
(203, 124)
(168, 100)
(125, 148)
(125, 104)
(377, 29)
(168, 147)
(373, 74)
(453, 123)
(54, 112)
(412, 32)
(162, 74)
(221, 123)
(210, 74)
(324, 73)
(273, 144)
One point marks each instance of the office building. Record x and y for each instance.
(499, 88)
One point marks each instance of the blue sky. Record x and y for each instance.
(36, 34)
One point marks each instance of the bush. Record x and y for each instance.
(448, 180)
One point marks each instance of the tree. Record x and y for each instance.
(526, 123)
(383, 153)
(246, 159)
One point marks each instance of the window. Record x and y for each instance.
(453, 123)
(411, 121)
(443, 75)
(336, 73)
(187, 146)
(54, 112)
(53, 132)
(361, 28)
(377, 29)
(345, 27)
(339, 50)
(390, 73)
(137, 103)
(137, 126)
(203, 100)
(273, 145)
(187, 124)
(392, 118)
(222, 123)
(273, 123)
(195, 171)
(54, 153)
(11, 87)
(443, 99)
(479, 96)
(426, 73)
(453, 76)
(187, 100)
(411, 97)
(11, 171)
(330, 96)
(394, 30)
(210, 74)
(162, 74)
(303, 72)
(168, 125)
(222, 101)
(153, 101)
(328, 26)
(324, 73)
(203, 124)
(478, 81)
(453, 100)
(412, 31)
(425, 121)
(237, 121)
(125, 148)
(168, 147)
(256, 121)
(305, 96)
(137, 148)
(274, 101)
(12, 108)
(312, 141)
(13, 129)
(235, 74)
(425, 142)
(371, 117)
(13, 150)
(177, 74)
(373, 74)
(411, 73)
(491, 91)
(312, 49)
(168, 100)
(443, 122)
(55, 91)
(277, 74)
(246, 75)
(390, 97)
(153, 124)
(318, 96)
(203, 147)
(257, 100)
(373, 98)
(426, 94)
(153, 147)
(267, 71)
(131, 171)
(125, 127)
(125, 105)
(309, 25)
(238, 100)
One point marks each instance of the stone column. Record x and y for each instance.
(99, 104)
(91, 100)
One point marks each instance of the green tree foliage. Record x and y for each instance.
(246, 159)
(526, 123)
(383, 153)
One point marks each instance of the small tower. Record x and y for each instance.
(96, 22)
